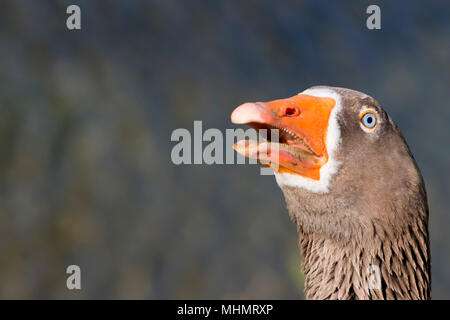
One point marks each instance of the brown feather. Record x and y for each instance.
(375, 217)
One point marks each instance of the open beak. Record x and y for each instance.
(301, 124)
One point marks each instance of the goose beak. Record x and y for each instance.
(300, 123)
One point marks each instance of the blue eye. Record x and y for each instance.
(369, 119)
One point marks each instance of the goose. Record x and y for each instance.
(353, 189)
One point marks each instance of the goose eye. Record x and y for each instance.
(369, 119)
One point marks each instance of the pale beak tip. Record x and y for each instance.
(247, 112)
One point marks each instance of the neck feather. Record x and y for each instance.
(381, 265)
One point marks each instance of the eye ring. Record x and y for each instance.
(369, 119)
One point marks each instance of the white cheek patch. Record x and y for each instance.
(332, 143)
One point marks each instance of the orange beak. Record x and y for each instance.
(301, 123)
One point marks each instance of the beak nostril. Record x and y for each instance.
(291, 111)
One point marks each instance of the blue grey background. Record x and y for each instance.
(86, 118)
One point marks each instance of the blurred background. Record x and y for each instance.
(86, 118)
